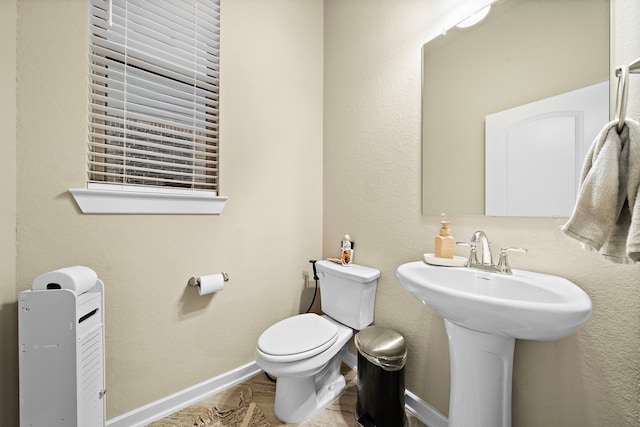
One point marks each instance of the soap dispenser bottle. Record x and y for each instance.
(445, 242)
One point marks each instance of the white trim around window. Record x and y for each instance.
(121, 199)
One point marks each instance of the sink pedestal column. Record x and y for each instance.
(481, 372)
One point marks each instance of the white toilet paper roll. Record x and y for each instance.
(211, 283)
(78, 279)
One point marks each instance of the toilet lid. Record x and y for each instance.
(297, 337)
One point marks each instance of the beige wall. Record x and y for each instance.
(8, 310)
(372, 191)
(160, 336)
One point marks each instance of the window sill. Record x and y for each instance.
(114, 200)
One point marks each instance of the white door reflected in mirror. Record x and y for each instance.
(534, 152)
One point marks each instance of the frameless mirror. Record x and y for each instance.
(525, 52)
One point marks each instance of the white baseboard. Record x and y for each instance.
(424, 412)
(351, 360)
(161, 408)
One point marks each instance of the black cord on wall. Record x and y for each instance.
(315, 278)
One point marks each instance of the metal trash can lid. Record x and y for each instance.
(383, 347)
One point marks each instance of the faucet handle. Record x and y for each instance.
(473, 257)
(505, 250)
(503, 263)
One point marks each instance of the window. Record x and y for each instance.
(153, 107)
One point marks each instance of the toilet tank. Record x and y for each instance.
(348, 294)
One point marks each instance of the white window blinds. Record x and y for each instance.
(153, 115)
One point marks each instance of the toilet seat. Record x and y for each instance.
(296, 338)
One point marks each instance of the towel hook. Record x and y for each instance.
(621, 95)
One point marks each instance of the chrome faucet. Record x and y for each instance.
(487, 259)
(480, 236)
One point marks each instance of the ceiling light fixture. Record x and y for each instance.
(475, 18)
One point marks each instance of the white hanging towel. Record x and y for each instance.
(606, 217)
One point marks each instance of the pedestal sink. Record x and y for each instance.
(484, 313)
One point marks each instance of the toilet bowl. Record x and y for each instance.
(305, 352)
(306, 384)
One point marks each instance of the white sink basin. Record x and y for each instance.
(522, 305)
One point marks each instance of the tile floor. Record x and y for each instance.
(341, 413)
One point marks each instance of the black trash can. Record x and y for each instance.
(382, 354)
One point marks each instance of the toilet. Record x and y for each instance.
(305, 352)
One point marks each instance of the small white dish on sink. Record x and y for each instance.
(456, 261)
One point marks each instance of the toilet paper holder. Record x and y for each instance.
(195, 280)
